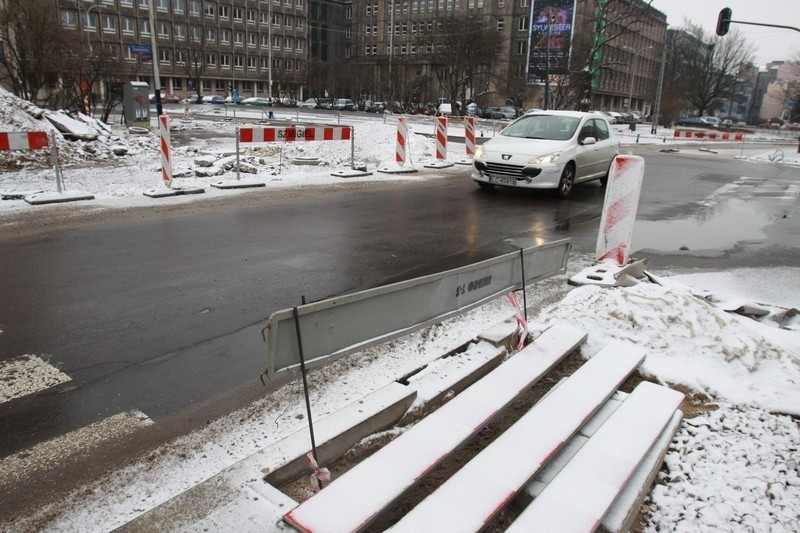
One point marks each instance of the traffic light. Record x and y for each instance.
(724, 21)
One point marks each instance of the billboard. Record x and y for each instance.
(550, 39)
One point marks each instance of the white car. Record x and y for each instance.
(547, 150)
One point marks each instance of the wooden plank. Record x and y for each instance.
(354, 500)
(477, 492)
(583, 492)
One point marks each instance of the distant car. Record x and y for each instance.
(315, 103)
(257, 101)
(213, 100)
(373, 107)
(503, 112)
(343, 104)
(692, 122)
(547, 150)
(473, 110)
(234, 100)
(165, 99)
(711, 121)
(616, 116)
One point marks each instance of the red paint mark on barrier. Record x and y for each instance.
(32, 140)
(38, 140)
(246, 135)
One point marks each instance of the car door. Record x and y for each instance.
(606, 147)
(585, 155)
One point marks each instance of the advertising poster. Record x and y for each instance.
(550, 37)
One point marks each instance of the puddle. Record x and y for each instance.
(714, 228)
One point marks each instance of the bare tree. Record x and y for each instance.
(34, 44)
(191, 58)
(462, 46)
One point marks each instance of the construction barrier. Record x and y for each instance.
(402, 137)
(469, 136)
(21, 140)
(619, 209)
(166, 156)
(709, 135)
(441, 138)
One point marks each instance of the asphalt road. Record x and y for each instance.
(161, 310)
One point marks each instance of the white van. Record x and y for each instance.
(446, 109)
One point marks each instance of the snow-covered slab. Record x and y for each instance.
(70, 126)
(585, 489)
(207, 502)
(388, 169)
(237, 184)
(163, 192)
(438, 164)
(479, 490)
(259, 509)
(337, 432)
(500, 333)
(58, 197)
(622, 514)
(453, 374)
(354, 500)
(350, 173)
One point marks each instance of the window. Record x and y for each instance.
(126, 2)
(264, 40)
(163, 30)
(225, 61)
(299, 45)
(238, 38)
(224, 36)
(524, 3)
(348, 13)
(346, 56)
(299, 25)
(264, 63)
(288, 43)
(89, 21)
(221, 85)
(298, 4)
(179, 58)
(206, 85)
(162, 5)
(69, 19)
(251, 63)
(178, 5)
(224, 12)
(197, 34)
(129, 55)
(211, 60)
(252, 40)
(163, 56)
(210, 9)
(237, 14)
(369, 10)
(288, 64)
(522, 25)
(211, 35)
(127, 24)
(287, 22)
(177, 84)
(501, 3)
(144, 27)
(144, 5)
(251, 16)
(522, 47)
(113, 51)
(194, 7)
(500, 24)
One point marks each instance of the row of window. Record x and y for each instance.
(371, 30)
(209, 8)
(221, 85)
(69, 19)
(213, 60)
(419, 6)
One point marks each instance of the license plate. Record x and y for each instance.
(502, 180)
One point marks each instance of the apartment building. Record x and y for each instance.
(256, 47)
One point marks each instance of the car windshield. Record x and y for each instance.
(549, 127)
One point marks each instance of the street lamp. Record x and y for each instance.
(632, 68)
(83, 26)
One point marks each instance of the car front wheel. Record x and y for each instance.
(566, 182)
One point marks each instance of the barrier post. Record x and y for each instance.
(402, 133)
(56, 163)
(469, 141)
(441, 145)
(166, 156)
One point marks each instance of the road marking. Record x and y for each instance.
(27, 374)
(71, 447)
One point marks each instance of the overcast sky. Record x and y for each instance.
(771, 43)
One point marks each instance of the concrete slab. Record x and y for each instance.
(350, 173)
(18, 195)
(174, 191)
(396, 170)
(238, 184)
(438, 164)
(58, 197)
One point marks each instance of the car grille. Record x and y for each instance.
(500, 169)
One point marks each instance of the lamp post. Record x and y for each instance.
(156, 78)
(657, 110)
(632, 68)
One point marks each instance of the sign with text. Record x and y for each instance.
(339, 326)
(550, 39)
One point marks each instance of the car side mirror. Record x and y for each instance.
(588, 140)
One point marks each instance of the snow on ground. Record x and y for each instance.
(733, 469)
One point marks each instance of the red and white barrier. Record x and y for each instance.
(402, 137)
(23, 140)
(619, 209)
(441, 138)
(166, 151)
(709, 135)
(294, 133)
(469, 136)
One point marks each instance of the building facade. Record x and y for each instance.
(373, 49)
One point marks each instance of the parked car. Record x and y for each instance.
(234, 100)
(503, 112)
(547, 150)
(258, 101)
(213, 100)
(711, 121)
(616, 116)
(315, 103)
(692, 122)
(473, 110)
(343, 104)
(168, 98)
(373, 107)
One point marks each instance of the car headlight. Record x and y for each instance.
(546, 159)
(479, 151)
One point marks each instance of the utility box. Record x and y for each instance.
(136, 103)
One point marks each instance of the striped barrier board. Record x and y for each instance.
(709, 135)
(441, 138)
(469, 136)
(619, 209)
(402, 136)
(292, 134)
(23, 140)
(166, 157)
